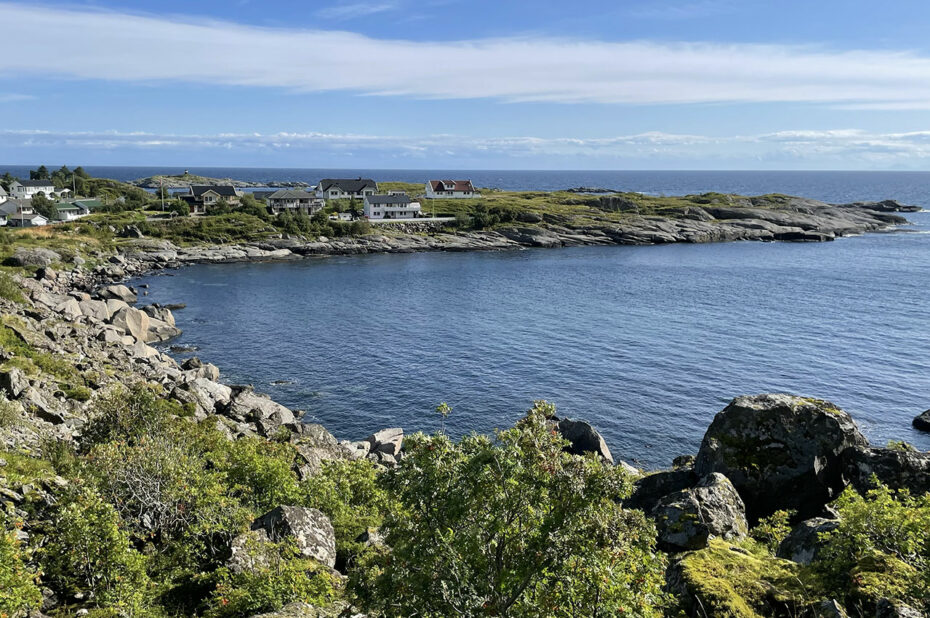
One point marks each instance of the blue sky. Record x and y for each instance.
(590, 84)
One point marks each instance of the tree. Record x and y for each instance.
(39, 174)
(62, 177)
(251, 206)
(44, 206)
(511, 526)
(221, 207)
(7, 180)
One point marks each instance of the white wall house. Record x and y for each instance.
(292, 200)
(3, 195)
(208, 195)
(396, 206)
(346, 188)
(25, 189)
(450, 189)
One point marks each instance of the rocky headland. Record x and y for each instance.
(183, 181)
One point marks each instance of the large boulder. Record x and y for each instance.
(887, 608)
(387, 441)
(247, 405)
(898, 468)
(922, 422)
(689, 519)
(96, 309)
(132, 322)
(117, 292)
(13, 382)
(309, 529)
(208, 395)
(780, 452)
(36, 257)
(651, 488)
(803, 543)
(583, 438)
(160, 331)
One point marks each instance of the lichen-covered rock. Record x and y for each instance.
(13, 382)
(208, 395)
(36, 256)
(804, 542)
(887, 608)
(309, 529)
(780, 452)
(651, 488)
(895, 467)
(689, 519)
(247, 405)
(583, 438)
(387, 441)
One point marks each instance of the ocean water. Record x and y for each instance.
(647, 343)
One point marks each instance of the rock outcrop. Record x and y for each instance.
(804, 542)
(781, 452)
(898, 468)
(922, 421)
(309, 529)
(689, 519)
(583, 439)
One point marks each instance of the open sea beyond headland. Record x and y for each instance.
(647, 343)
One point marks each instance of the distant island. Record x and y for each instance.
(185, 180)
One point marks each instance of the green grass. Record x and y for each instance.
(21, 468)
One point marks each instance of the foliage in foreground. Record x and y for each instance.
(511, 526)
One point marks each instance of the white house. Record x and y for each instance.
(450, 188)
(294, 201)
(346, 188)
(25, 189)
(69, 211)
(208, 195)
(3, 194)
(395, 206)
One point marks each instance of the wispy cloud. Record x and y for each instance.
(693, 9)
(155, 49)
(343, 11)
(13, 97)
(851, 148)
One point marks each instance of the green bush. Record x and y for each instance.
(511, 526)
(10, 414)
(258, 472)
(350, 495)
(283, 578)
(772, 530)
(123, 414)
(881, 548)
(19, 591)
(89, 552)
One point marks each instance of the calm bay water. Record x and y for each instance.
(647, 343)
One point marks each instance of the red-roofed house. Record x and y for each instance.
(450, 188)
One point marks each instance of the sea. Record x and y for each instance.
(646, 343)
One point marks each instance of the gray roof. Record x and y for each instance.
(291, 194)
(221, 190)
(349, 185)
(37, 183)
(10, 207)
(388, 199)
(3, 191)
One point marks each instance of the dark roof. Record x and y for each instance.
(37, 183)
(349, 185)
(457, 185)
(221, 190)
(388, 199)
(262, 195)
(291, 194)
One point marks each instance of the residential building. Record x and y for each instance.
(394, 206)
(194, 206)
(3, 194)
(294, 200)
(69, 211)
(208, 195)
(450, 189)
(25, 189)
(346, 188)
(15, 208)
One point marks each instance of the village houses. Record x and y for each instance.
(25, 189)
(450, 189)
(346, 188)
(293, 200)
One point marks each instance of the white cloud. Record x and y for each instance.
(145, 48)
(344, 11)
(846, 148)
(14, 97)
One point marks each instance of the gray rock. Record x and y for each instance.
(160, 331)
(889, 608)
(133, 322)
(209, 395)
(13, 382)
(249, 551)
(922, 421)
(896, 468)
(831, 608)
(36, 256)
(387, 441)
(309, 529)
(46, 409)
(247, 405)
(70, 309)
(688, 519)
(117, 292)
(651, 488)
(780, 452)
(96, 309)
(299, 609)
(804, 543)
(584, 439)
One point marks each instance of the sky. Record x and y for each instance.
(476, 84)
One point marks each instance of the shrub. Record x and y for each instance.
(18, 590)
(350, 495)
(772, 530)
(10, 413)
(283, 579)
(881, 548)
(123, 414)
(89, 552)
(258, 472)
(510, 526)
